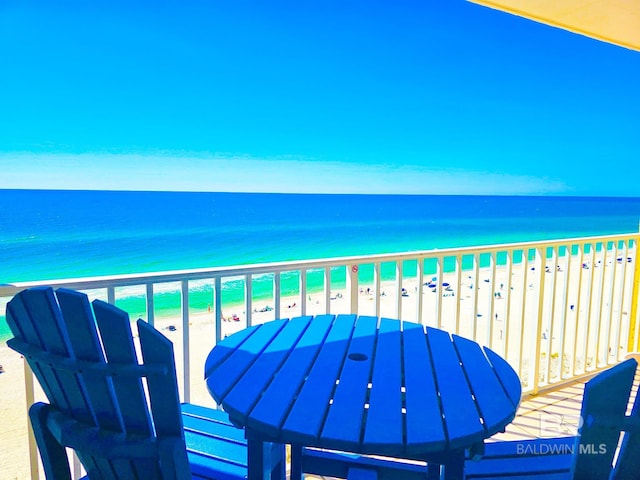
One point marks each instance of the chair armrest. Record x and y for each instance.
(99, 443)
(53, 455)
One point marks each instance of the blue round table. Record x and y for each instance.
(363, 385)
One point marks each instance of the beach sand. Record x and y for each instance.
(497, 298)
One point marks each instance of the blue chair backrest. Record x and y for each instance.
(84, 357)
(604, 422)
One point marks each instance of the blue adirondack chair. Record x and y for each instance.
(607, 445)
(98, 403)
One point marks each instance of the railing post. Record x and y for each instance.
(111, 295)
(248, 298)
(589, 306)
(506, 321)
(419, 289)
(276, 294)
(399, 278)
(217, 301)
(439, 288)
(352, 288)
(303, 292)
(326, 289)
(186, 353)
(492, 300)
(458, 291)
(150, 308)
(632, 344)
(576, 326)
(377, 291)
(476, 283)
(30, 399)
(551, 318)
(542, 253)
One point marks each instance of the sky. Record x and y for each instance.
(415, 97)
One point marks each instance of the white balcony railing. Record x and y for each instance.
(556, 310)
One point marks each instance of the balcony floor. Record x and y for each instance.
(548, 408)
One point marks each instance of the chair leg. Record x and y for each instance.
(433, 471)
(53, 455)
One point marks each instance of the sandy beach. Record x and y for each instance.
(476, 304)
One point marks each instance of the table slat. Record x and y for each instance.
(228, 372)
(425, 430)
(492, 401)
(460, 412)
(307, 415)
(507, 376)
(384, 419)
(258, 376)
(225, 348)
(343, 426)
(271, 410)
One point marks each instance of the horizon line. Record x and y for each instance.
(379, 194)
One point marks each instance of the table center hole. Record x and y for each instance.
(358, 357)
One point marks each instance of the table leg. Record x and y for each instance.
(265, 460)
(296, 462)
(454, 469)
(258, 468)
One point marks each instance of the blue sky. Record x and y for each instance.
(430, 97)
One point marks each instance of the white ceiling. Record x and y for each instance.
(613, 21)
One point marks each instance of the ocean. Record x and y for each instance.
(68, 234)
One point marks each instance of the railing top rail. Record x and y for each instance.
(87, 283)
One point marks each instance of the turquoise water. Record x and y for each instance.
(67, 234)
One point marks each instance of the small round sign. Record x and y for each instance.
(354, 269)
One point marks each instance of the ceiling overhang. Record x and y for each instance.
(612, 21)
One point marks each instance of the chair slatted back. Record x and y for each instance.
(93, 381)
(628, 462)
(119, 348)
(605, 396)
(593, 454)
(34, 319)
